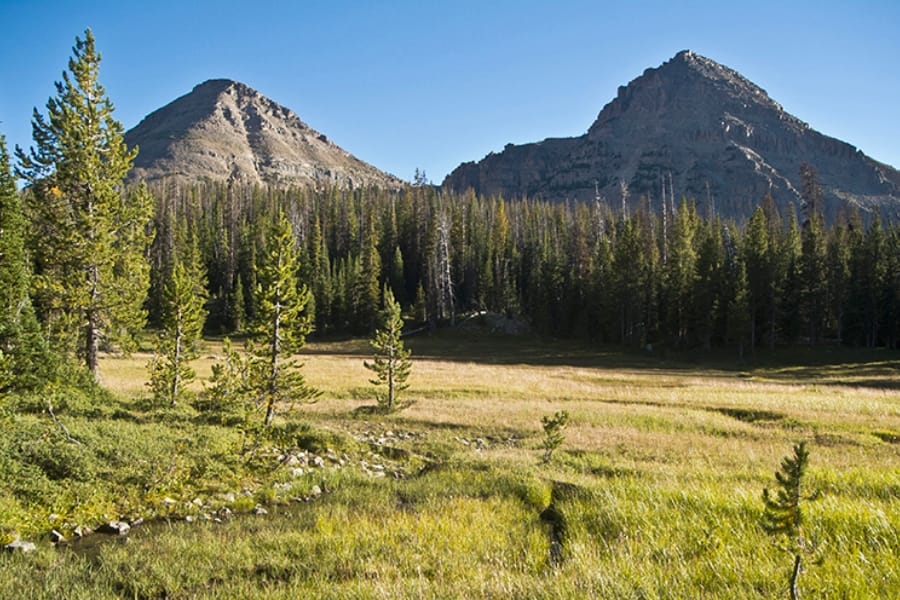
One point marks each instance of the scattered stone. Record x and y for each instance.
(217, 520)
(189, 518)
(315, 492)
(197, 502)
(224, 512)
(81, 531)
(115, 528)
(169, 501)
(229, 498)
(20, 546)
(292, 461)
(56, 537)
(137, 522)
(297, 472)
(318, 461)
(259, 510)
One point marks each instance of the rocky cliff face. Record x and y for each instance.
(703, 127)
(226, 131)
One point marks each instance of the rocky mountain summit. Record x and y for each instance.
(693, 128)
(226, 131)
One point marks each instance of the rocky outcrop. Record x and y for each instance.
(704, 130)
(226, 131)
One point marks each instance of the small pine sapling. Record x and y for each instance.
(553, 432)
(783, 515)
(391, 363)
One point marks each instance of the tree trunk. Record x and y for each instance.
(795, 575)
(176, 363)
(273, 367)
(91, 345)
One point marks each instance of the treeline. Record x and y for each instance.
(654, 277)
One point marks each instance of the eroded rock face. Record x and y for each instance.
(226, 131)
(719, 137)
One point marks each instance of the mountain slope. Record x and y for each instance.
(226, 131)
(719, 137)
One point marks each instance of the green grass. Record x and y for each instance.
(655, 493)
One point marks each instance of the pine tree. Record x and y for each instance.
(783, 515)
(88, 239)
(183, 315)
(391, 363)
(813, 291)
(281, 327)
(228, 395)
(680, 271)
(553, 432)
(367, 287)
(24, 360)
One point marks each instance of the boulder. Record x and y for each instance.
(115, 528)
(20, 546)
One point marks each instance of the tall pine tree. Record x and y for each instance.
(23, 352)
(88, 239)
(183, 315)
(282, 325)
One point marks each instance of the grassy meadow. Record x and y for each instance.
(655, 493)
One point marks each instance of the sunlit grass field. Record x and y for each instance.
(655, 492)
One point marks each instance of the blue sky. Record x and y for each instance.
(429, 84)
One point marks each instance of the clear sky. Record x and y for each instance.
(428, 84)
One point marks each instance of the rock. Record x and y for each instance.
(81, 531)
(259, 510)
(717, 135)
(115, 528)
(224, 512)
(229, 498)
(189, 518)
(56, 537)
(197, 502)
(169, 501)
(20, 546)
(318, 461)
(315, 491)
(226, 131)
(292, 461)
(136, 522)
(297, 472)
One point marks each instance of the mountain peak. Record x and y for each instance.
(224, 130)
(704, 128)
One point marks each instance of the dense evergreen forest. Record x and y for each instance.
(655, 277)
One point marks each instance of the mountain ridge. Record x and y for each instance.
(706, 129)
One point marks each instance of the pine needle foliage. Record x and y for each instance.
(553, 432)
(24, 362)
(88, 238)
(783, 515)
(391, 363)
(183, 316)
(281, 326)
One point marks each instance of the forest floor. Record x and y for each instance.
(656, 491)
